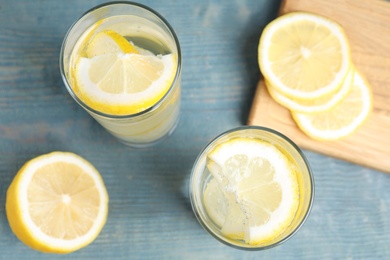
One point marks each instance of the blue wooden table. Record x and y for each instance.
(149, 213)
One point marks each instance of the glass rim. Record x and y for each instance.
(238, 245)
(126, 116)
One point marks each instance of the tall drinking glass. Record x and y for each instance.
(229, 200)
(151, 34)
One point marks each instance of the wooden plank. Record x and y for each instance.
(366, 23)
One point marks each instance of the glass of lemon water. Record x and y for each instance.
(251, 188)
(121, 62)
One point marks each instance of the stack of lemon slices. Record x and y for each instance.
(306, 63)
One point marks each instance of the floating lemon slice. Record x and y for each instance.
(344, 118)
(109, 41)
(216, 203)
(257, 187)
(57, 203)
(304, 56)
(313, 105)
(122, 81)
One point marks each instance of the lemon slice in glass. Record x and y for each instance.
(304, 55)
(257, 187)
(57, 203)
(121, 80)
(109, 41)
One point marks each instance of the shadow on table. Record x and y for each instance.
(250, 37)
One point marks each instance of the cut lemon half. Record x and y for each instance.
(315, 105)
(109, 41)
(344, 118)
(257, 189)
(57, 203)
(304, 55)
(123, 84)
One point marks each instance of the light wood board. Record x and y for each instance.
(367, 24)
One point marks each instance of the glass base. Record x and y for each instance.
(148, 144)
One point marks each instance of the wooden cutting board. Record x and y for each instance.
(367, 24)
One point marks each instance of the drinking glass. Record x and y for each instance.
(156, 122)
(200, 177)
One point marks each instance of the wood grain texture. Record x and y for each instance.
(366, 23)
(150, 216)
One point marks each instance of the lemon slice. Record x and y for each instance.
(316, 105)
(215, 195)
(304, 55)
(109, 41)
(224, 210)
(124, 83)
(344, 118)
(119, 78)
(257, 187)
(57, 203)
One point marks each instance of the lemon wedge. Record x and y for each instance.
(57, 203)
(109, 41)
(304, 55)
(257, 189)
(116, 78)
(343, 119)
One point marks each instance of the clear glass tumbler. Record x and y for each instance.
(154, 123)
(201, 177)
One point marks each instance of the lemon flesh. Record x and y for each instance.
(57, 203)
(254, 193)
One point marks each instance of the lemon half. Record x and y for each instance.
(57, 203)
